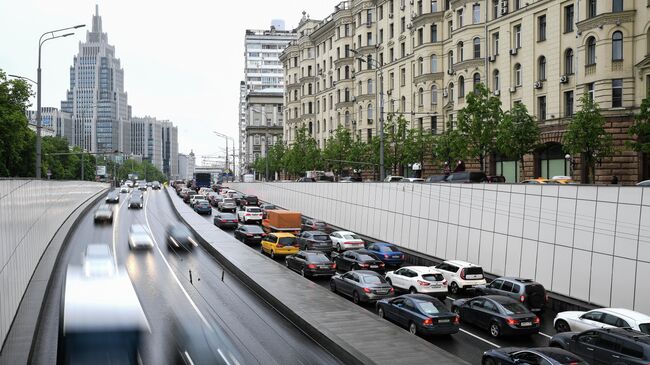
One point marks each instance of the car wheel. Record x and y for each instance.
(412, 290)
(453, 288)
(495, 330)
(262, 250)
(562, 326)
(355, 298)
(273, 254)
(380, 312)
(413, 329)
(338, 247)
(302, 272)
(389, 281)
(286, 263)
(489, 361)
(333, 286)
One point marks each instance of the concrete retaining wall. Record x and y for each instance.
(31, 212)
(587, 242)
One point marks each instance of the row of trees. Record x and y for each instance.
(482, 129)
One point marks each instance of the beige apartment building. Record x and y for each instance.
(426, 55)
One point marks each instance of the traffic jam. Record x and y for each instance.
(508, 314)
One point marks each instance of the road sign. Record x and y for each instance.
(101, 170)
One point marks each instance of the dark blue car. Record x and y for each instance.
(540, 355)
(420, 313)
(203, 207)
(386, 252)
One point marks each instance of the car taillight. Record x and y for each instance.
(456, 320)
(512, 321)
(249, 235)
(363, 265)
(392, 290)
(248, 214)
(444, 282)
(381, 264)
(536, 320)
(423, 283)
(427, 322)
(367, 290)
(462, 274)
(311, 266)
(522, 298)
(333, 266)
(385, 256)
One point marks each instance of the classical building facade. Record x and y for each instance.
(264, 124)
(427, 56)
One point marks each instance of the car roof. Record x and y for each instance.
(627, 332)
(460, 263)
(381, 244)
(366, 272)
(519, 280)
(422, 269)
(283, 234)
(316, 232)
(623, 312)
(501, 299)
(344, 232)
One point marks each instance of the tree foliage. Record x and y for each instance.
(586, 136)
(518, 134)
(338, 150)
(17, 153)
(303, 155)
(417, 146)
(479, 121)
(145, 170)
(394, 142)
(641, 129)
(449, 146)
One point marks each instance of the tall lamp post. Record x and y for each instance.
(47, 36)
(378, 67)
(226, 138)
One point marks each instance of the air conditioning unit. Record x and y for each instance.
(413, 15)
(496, 92)
(537, 85)
(354, 98)
(445, 94)
(564, 79)
(390, 15)
(513, 51)
(450, 71)
(320, 72)
(492, 58)
(369, 121)
(409, 26)
(402, 7)
(512, 89)
(389, 92)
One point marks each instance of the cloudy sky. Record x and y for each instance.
(183, 60)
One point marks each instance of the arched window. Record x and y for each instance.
(518, 75)
(360, 116)
(317, 126)
(450, 60)
(541, 68)
(369, 62)
(591, 51)
(347, 118)
(496, 80)
(434, 94)
(420, 66)
(476, 80)
(434, 63)
(370, 112)
(369, 86)
(477, 47)
(461, 54)
(324, 125)
(461, 87)
(451, 91)
(568, 61)
(403, 104)
(311, 129)
(617, 46)
(347, 72)
(347, 94)
(421, 97)
(360, 88)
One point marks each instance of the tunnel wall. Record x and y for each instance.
(591, 243)
(31, 212)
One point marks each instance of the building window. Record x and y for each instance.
(420, 66)
(451, 92)
(370, 112)
(477, 47)
(434, 63)
(391, 81)
(369, 39)
(391, 30)
(369, 86)
(434, 95)
(541, 68)
(434, 6)
(591, 8)
(568, 18)
(568, 103)
(476, 14)
(347, 94)
(541, 28)
(495, 43)
(403, 49)
(360, 115)
(360, 88)
(420, 36)
(617, 93)
(541, 106)
(517, 32)
(369, 62)
(591, 51)
(617, 6)
(517, 4)
(450, 29)
(381, 36)
(403, 104)
(459, 18)
(461, 87)
(402, 25)
(590, 91)
(496, 80)
(517, 75)
(476, 80)
(617, 46)
(450, 60)
(421, 97)
(347, 118)
(434, 33)
(495, 8)
(461, 53)
(402, 77)
(568, 62)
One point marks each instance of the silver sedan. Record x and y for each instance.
(139, 237)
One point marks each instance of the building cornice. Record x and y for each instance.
(427, 18)
(365, 97)
(344, 104)
(344, 61)
(606, 18)
(436, 76)
(469, 64)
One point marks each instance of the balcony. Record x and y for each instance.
(590, 69)
(427, 18)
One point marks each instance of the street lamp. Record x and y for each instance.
(226, 138)
(41, 41)
(378, 67)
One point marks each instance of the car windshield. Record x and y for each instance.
(269, 207)
(204, 203)
(372, 279)
(431, 307)
(229, 201)
(255, 210)
(287, 240)
(351, 237)
(181, 231)
(388, 249)
(317, 258)
(198, 197)
(433, 277)
(321, 237)
(253, 229)
(363, 257)
(645, 328)
(473, 270)
(514, 308)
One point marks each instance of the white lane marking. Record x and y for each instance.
(480, 338)
(545, 335)
(196, 308)
(187, 356)
(116, 220)
(224, 357)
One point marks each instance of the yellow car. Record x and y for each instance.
(278, 243)
(539, 180)
(564, 180)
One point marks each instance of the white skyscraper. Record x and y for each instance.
(96, 98)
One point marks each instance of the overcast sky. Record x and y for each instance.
(182, 60)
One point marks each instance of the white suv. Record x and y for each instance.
(247, 214)
(461, 275)
(196, 197)
(419, 279)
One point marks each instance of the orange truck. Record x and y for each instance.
(282, 221)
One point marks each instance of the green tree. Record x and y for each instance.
(338, 150)
(641, 129)
(303, 155)
(394, 142)
(449, 146)
(586, 136)
(17, 154)
(276, 155)
(417, 146)
(144, 170)
(518, 135)
(479, 121)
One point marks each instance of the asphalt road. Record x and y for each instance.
(252, 331)
(470, 343)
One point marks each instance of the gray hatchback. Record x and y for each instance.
(526, 291)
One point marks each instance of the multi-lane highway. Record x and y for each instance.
(253, 332)
(470, 343)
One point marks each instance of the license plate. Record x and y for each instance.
(382, 291)
(256, 236)
(436, 286)
(443, 321)
(373, 266)
(324, 267)
(526, 324)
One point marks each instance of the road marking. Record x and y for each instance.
(196, 308)
(116, 220)
(480, 338)
(545, 335)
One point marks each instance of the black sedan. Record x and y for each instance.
(498, 314)
(179, 236)
(420, 313)
(540, 355)
(249, 233)
(354, 260)
(362, 286)
(225, 220)
(315, 240)
(311, 263)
